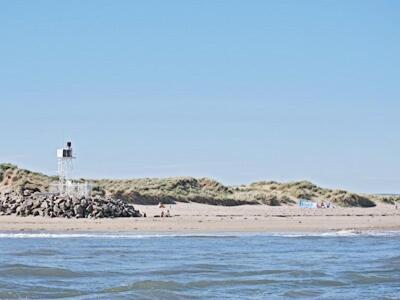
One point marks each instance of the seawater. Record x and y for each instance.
(341, 265)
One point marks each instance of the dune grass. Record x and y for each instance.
(199, 190)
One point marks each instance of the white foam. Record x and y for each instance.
(99, 235)
(72, 235)
(341, 233)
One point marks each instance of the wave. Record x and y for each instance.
(23, 270)
(97, 235)
(101, 235)
(75, 235)
(340, 233)
(147, 285)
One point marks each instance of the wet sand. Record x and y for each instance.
(192, 217)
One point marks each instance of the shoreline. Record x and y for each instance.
(195, 218)
(138, 235)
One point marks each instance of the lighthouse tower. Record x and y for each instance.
(66, 185)
(65, 158)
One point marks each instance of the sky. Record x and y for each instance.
(238, 91)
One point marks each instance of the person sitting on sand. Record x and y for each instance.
(168, 214)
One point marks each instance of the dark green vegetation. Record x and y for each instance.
(200, 190)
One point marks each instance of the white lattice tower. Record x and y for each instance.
(65, 167)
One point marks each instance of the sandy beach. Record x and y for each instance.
(200, 218)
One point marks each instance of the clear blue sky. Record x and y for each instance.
(234, 90)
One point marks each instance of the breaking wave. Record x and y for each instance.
(97, 235)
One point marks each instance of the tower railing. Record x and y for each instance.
(72, 189)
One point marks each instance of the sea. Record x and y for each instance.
(333, 265)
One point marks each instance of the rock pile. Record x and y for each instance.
(49, 205)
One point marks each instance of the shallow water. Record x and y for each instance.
(344, 265)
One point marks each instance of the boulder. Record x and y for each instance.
(35, 204)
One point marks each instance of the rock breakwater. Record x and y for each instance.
(50, 205)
